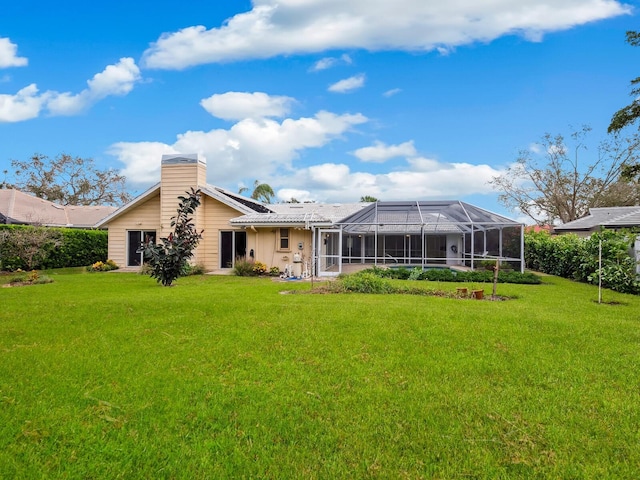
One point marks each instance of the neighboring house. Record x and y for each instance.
(20, 208)
(310, 238)
(611, 218)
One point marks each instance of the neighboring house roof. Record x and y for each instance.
(303, 214)
(17, 207)
(607, 217)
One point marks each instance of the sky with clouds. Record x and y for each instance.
(325, 100)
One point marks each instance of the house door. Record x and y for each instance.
(233, 245)
(135, 238)
(329, 252)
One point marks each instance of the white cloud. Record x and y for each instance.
(286, 194)
(324, 63)
(24, 105)
(139, 170)
(392, 92)
(328, 62)
(337, 183)
(381, 152)
(536, 148)
(256, 147)
(118, 79)
(286, 27)
(8, 57)
(239, 105)
(348, 84)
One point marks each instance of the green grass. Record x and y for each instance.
(109, 375)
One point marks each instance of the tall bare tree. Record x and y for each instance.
(69, 180)
(564, 181)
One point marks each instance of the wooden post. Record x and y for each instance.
(496, 270)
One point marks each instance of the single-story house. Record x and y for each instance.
(611, 218)
(20, 208)
(311, 238)
(614, 218)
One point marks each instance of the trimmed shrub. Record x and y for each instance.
(53, 247)
(570, 256)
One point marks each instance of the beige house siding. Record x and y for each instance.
(176, 180)
(178, 175)
(265, 242)
(145, 216)
(216, 217)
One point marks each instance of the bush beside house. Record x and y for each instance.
(31, 247)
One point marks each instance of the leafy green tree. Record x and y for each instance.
(561, 185)
(261, 192)
(629, 114)
(169, 258)
(69, 181)
(368, 198)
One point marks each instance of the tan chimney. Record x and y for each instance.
(179, 173)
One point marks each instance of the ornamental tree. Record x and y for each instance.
(169, 258)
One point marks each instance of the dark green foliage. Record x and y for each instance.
(169, 258)
(439, 275)
(59, 248)
(618, 267)
(365, 282)
(553, 255)
(448, 275)
(79, 248)
(576, 258)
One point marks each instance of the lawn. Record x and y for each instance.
(110, 375)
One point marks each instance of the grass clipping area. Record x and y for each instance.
(109, 375)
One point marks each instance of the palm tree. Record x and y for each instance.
(261, 192)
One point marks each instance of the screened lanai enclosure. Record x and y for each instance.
(427, 234)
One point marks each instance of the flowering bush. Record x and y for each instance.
(103, 266)
(259, 268)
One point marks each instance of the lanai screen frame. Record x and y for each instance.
(429, 218)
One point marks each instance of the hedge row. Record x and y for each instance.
(570, 256)
(29, 247)
(448, 275)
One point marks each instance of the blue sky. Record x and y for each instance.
(325, 100)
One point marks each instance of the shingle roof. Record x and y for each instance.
(611, 217)
(22, 208)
